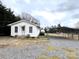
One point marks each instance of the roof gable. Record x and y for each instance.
(15, 22)
(25, 22)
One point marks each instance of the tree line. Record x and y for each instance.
(61, 29)
(6, 17)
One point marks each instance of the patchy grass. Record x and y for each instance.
(54, 57)
(48, 57)
(42, 57)
(72, 57)
(51, 48)
(71, 53)
(69, 49)
(20, 42)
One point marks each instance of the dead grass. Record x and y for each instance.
(20, 42)
(51, 48)
(48, 57)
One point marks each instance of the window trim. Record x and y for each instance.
(16, 29)
(30, 29)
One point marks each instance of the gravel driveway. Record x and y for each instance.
(53, 49)
(64, 43)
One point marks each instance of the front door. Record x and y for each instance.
(23, 30)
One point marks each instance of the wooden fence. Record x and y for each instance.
(71, 36)
(64, 35)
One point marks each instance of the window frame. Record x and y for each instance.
(16, 29)
(30, 29)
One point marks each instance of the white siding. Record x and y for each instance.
(35, 32)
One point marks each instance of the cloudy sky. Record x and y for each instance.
(48, 12)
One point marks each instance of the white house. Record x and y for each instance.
(24, 28)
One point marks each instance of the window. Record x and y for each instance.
(16, 29)
(23, 28)
(30, 29)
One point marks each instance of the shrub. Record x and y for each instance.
(42, 34)
(28, 36)
(16, 35)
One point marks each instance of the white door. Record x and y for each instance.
(23, 30)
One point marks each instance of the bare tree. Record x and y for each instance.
(29, 18)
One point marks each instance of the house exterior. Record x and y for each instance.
(25, 28)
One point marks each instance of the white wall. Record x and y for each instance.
(35, 33)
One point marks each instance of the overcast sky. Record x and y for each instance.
(48, 12)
